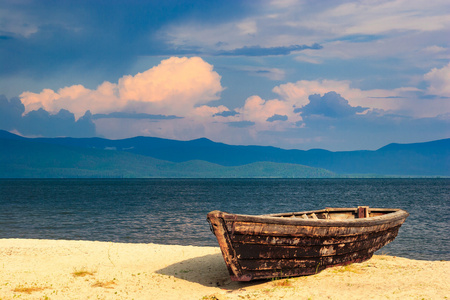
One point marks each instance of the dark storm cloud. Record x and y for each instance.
(93, 35)
(124, 115)
(261, 51)
(42, 123)
(277, 118)
(329, 105)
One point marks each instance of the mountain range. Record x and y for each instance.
(147, 157)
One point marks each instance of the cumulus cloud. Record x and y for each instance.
(405, 100)
(298, 92)
(439, 81)
(330, 105)
(172, 99)
(176, 86)
(326, 99)
(325, 111)
(259, 110)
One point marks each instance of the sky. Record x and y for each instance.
(335, 75)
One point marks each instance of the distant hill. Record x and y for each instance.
(156, 157)
(31, 158)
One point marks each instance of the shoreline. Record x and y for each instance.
(67, 269)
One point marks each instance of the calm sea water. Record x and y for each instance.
(173, 211)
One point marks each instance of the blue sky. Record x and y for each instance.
(337, 75)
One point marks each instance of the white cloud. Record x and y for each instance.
(405, 100)
(206, 112)
(388, 29)
(247, 27)
(439, 81)
(175, 86)
(380, 17)
(184, 86)
(258, 110)
(434, 49)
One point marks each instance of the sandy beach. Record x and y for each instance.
(58, 269)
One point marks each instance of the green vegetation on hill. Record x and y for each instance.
(149, 157)
(28, 159)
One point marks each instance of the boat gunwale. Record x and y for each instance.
(394, 214)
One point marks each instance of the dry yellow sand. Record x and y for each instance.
(55, 269)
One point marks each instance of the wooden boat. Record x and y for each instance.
(301, 243)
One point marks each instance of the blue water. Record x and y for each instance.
(173, 211)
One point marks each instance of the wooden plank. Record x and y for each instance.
(247, 228)
(303, 241)
(309, 270)
(258, 251)
(395, 215)
(226, 247)
(285, 264)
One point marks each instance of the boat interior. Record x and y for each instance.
(336, 213)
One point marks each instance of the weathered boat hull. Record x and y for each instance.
(305, 243)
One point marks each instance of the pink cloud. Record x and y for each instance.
(258, 110)
(298, 92)
(175, 86)
(401, 99)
